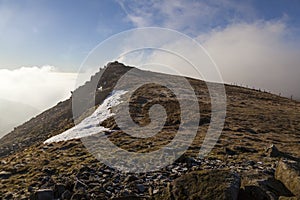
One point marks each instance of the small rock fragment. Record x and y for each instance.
(272, 151)
(5, 174)
(131, 178)
(140, 187)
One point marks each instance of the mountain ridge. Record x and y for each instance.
(255, 120)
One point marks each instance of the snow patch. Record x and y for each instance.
(90, 125)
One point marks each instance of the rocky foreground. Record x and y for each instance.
(66, 171)
(256, 157)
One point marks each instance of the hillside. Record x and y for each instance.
(256, 157)
(59, 118)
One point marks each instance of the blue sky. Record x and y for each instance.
(59, 33)
(43, 43)
(62, 32)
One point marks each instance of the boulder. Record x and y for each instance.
(211, 184)
(272, 151)
(44, 194)
(269, 188)
(288, 172)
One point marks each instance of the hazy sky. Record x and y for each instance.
(42, 43)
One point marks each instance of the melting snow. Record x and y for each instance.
(90, 125)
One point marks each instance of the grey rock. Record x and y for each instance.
(3, 162)
(273, 151)
(5, 174)
(230, 152)
(248, 130)
(155, 191)
(66, 195)
(251, 163)
(243, 149)
(8, 196)
(255, 192)
(131, 178)
(59, 189)
(140, 187)
(44, 194)
(30, 189)
(265, 189)
(79, 184)
(288, 172)
(76, 196)
(202, 185)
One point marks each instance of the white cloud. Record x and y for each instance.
(188, 16)
(39, 87)
(256, 54)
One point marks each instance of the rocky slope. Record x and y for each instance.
(256, 157)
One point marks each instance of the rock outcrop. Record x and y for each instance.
(288, 172)
(214, 184)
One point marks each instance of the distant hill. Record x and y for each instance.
(13, 114)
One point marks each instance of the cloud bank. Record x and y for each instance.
(258, 54)
(14, 114)
(27, 91)
(39, 87)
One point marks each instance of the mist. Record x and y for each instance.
(27, 91)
